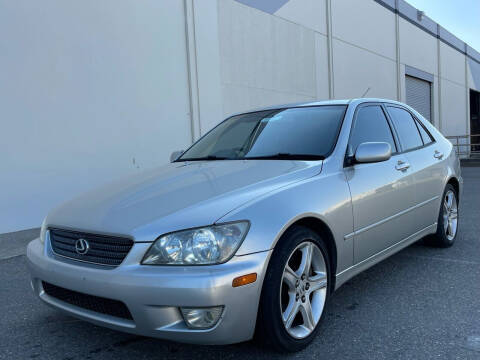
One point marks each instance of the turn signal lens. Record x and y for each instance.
(244, 280)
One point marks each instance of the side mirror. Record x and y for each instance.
(175, 155)
(370, 152)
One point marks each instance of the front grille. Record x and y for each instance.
(104, 250)
(94, 303)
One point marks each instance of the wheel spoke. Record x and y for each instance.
(445, 205)
(317, 282)
(450, 229)
(449, 200)
(307, 252)
(453, 214)
(290, 313)
(307, 315)
(290, 277)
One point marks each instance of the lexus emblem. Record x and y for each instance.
(82, 246)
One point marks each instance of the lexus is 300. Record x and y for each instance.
(251, 230)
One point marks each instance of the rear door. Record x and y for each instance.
(381, 192)
(425, 158)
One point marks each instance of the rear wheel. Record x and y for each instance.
(295, 291)
(447, 220)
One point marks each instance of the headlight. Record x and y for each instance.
(208, 245)
(43, 230)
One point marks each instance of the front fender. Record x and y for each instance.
(326, 197)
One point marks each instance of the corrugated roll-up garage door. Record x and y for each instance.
(419, 96)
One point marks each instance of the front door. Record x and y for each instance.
(381, 192)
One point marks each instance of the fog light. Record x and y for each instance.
(201, 318)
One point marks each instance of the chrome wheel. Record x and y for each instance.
(450, 215)
(303, 290)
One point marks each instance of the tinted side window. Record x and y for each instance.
(426, 137)
(370, 125)
(406, 128)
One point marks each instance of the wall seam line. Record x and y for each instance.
(331, 85)
(439, 72)
(397, 51)
(364, 49)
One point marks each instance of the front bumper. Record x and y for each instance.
(153, 294)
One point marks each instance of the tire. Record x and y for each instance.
(285, 289)
(447, 228)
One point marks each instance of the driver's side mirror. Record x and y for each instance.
(371, 152)
(175, 155)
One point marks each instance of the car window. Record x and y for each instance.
(426, 137)
(303, 132)
(371, 125)
(406, 128)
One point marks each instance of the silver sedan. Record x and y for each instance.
(251, 230)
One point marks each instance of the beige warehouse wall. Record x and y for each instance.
(321, 71)
(204, 59)
(418, 48)
(452, 64)
(358, 23)
(356, 70)
(454, 94)
(94, 91)
(364, 59)
(265, 59)
(473, 75)
(454, 109)
(308, 13)
(269, 58)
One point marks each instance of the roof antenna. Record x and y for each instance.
(366, 92)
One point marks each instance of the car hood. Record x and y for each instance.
(176, 196)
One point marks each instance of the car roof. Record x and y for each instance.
(325, 102)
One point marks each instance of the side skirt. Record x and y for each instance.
(350, 272)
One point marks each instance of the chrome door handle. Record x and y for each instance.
(438, 155)
(402, 165)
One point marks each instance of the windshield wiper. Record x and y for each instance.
(209, 157)
(286, 156)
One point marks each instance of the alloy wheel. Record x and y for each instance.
(303, 290)
(450, 215)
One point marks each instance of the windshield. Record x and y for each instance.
(300, 133)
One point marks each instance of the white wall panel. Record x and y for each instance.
(454, 109)
(321, 71)
(418, 48)
(452, 64)
(89, 91)
(207, 63)
(473, 74)
(309, 13)
(366, 24)
(356, 70)
(263, 52)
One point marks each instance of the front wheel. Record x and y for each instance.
(295, 291)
